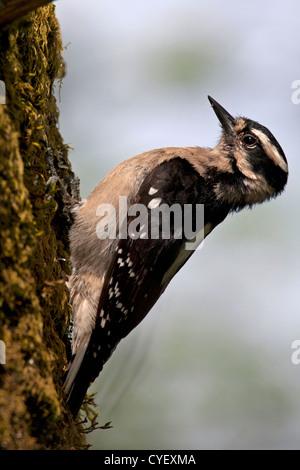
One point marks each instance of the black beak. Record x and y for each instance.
(224, 117)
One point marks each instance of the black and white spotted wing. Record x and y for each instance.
(134, 280)
(136, 276)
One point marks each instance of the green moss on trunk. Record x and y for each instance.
(34, 256)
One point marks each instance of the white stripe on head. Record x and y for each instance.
(271, 150)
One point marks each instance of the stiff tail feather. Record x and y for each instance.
(77, 381)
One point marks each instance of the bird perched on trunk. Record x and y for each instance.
(122, 264)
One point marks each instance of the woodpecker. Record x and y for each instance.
(116, 280)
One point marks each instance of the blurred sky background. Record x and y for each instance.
(210, 367)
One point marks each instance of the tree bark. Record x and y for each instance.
(34, 250)
(12, 9)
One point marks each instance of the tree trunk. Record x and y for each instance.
(13, 9)
(34, 251)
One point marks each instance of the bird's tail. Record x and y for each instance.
(77, 381)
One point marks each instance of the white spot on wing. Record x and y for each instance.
(154, 203)
(152, 191)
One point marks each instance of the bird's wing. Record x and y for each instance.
(134, 280)
(142, 264)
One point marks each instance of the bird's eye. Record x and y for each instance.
(249, 141)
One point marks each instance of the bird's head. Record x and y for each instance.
(253, 151)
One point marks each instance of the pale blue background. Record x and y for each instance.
(210, 367)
